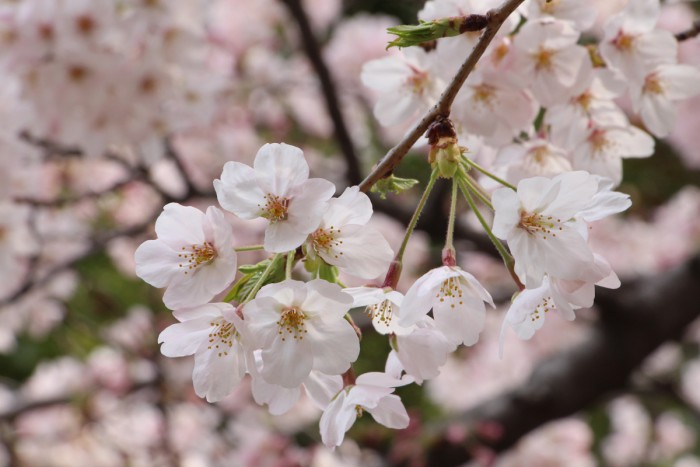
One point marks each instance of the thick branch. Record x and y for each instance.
(392, 159)
(330, 93)
(635, 320)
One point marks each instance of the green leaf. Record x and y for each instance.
(394, 185)
(251, 275)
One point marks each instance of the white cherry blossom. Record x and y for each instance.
(344, 240)
(212, 333)
(536, 157)
(544, 227)
(655, 98)
(373, 393)
(277, 188)
(301, 327)
(581, 14)
(193, 256)
(549, 60)
(457, 300)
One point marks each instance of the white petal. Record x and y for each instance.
(238, 191)
(183, 339)
(288, 361)
(279, 168)
(391, 413)
(333, 344)
(336, 421)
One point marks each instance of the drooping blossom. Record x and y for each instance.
(373, 393)
(212, 333)
(542, 224)
(457, 300)
(277, 188)
(344, 240)
(193, 256)
(300, 327)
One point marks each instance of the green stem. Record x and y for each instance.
(505, 254)
(474, 186)
(453, 213)
(263, 278)
(249, 248)
(490, 175)
(290, 264)
(417, 213)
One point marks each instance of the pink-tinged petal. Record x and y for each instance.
(287, 293)
(279, 168)
(357, 209)
(385, 74)
(365, 296)
(361, 251)
(471, 286)
(658, 114)
(326, 299)
(261, 317)
(423, 352)
(193, 289)
(461, 324)
(280, 400)
(522, 315)
(281, 237)
(333, 343)
(157, 263)
(215, 374)
(210, 310)
(238, 191)
(577, 189)
(506, 212)
(287, 361)
(634, 142)
(396, 107)
(391, 413)
(321, 388)
(680, 81)
(336, 421)
(420, 296)
(184, 339)
(220, 231)
(179, 225)
(605, 204)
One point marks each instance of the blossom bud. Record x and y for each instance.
(444, 150)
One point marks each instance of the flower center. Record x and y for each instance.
(543, 307)
(623, 41)
(537, 224)
(584, 100)
(599, 141)
(325, 240)
(197, 255)
(275, 208)
(418, 81)
(549, 6)
(382, 312)
(292, 322)
(652, 85)
(451, 291)
(221, 336)
(543, 59)
(484, 94)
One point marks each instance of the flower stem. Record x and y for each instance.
(474, 186)
(417, 213)
(249, 248)
(451, 220)
(290, 264)
(490, 175)
(505, 255)
(262, 279)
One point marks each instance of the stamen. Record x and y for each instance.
(537, 224)
(292, 322)
(451, 291)
(382, 312)
(543, 59)
(543, 307)
(275, 208)
(325, 240)
(197, 255)
(221, 336)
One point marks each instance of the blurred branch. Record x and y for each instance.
(634, 321)
(328, 87)
(444, 104)
(694, 31)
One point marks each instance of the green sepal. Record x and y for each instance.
(415, 34)
(251, 274)
(394, 185)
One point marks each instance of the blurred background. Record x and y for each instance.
(112, 109)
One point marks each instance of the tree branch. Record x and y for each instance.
(690, 33)
(330, 92)
(444, 104)
(635, 320)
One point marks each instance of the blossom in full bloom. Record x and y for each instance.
(193, 256)
(212, 333)
(344, 240)
(373, 393)
(457, 300)
(301, 327)
(543, 223)
(277, 188)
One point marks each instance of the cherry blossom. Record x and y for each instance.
(581, 15)
(372, 392)
(277, 188)
(211, 333)
(540, 223)
(344, 240)
(300, 327)
(193, 256)
(457, 300)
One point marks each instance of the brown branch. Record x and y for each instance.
(330, 92)
(635, 320)
(442, 108)
(694, 31)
